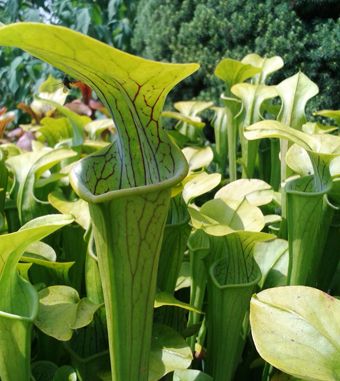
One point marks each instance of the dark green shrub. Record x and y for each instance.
(207, 30)
(317, 8)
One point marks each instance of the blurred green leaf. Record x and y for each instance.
(190, 375)
(61, 311)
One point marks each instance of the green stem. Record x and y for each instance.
(232, 145)
(198, 249)
(176, 234)
(275, 164)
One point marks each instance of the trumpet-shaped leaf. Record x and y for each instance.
(306, 199)
(50, 90)
(57, 46)
(127, 183)
(309, 216)
(190, 124)
(233, 277)
(252, 97)
(233, 113)
(297, 329)
(268, 65)
(188, 113)
(295, 92)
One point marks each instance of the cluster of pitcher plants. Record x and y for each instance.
(133, 248)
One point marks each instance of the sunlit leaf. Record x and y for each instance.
(57, 95)
(198, 157)
(317, 128)
(198, 184)
(167, 299)
(76, 121)
(192, 108)
(184, 278)
(274, 129)
(298, 160)
(218, 217)
(297, 329)
(169, 351)
(267, 254)
(28, 168)
(40, 250)
(232, 71)
(333, 114)
(195, 121)
(97, 127)
(78, 209)
(54, 130)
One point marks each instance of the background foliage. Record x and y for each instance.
(304, 34)
(107, 20)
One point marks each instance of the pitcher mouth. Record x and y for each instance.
(85, 193)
